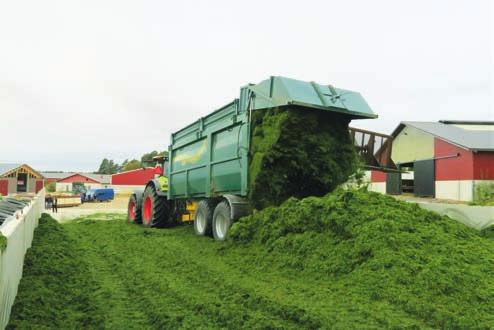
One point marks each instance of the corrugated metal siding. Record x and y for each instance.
(4, 187)
(378, 176)
(411, 145)
(454, 168)
(483, 166)
(133, 178)
(39, 185)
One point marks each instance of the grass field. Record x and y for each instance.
(91, 273)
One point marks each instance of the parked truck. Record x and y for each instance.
(207, 168)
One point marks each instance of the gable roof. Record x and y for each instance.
(477, 140)
(4, 168)
(101, 178)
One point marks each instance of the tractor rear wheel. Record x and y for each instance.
(155, 208)
(221, 221)
(203, 222)
(134, 210)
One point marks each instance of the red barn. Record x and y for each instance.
(64, 181)
(130, 180)
(445, 159)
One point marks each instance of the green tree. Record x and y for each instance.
(108, 167)
(134, 164)
(147, 159)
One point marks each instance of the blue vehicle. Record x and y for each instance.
(100, 195)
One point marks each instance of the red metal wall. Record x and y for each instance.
(483, 166)
(4, 187)
(78, 178)
(133, 178)
(378, 176)
(39, 185)
(454, 168)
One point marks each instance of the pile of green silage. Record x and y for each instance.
(55, 291)
(377, 250)
(298, 152)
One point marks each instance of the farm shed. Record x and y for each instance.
(446, 159)
(131, 180)
(64, 181)
(18, 178)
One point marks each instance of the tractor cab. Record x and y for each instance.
(159, 171)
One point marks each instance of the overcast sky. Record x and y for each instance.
(83, 80)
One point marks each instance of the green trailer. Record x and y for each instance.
(207, 170)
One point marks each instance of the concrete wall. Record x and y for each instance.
(67, 186)
(379, 187)
(125, 189)
(412, 144)
(461, 190)
(19, 232)
(12, 185)
(31, 185)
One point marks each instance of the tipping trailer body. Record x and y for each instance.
(209, 157)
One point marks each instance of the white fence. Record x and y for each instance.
(19, 232)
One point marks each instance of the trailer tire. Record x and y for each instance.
(134, 213)
(221, 221)
(203, 222)
(155, 209)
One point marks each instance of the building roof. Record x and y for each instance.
(477, 140)
(467, 122)
(4, 168)
(101, 178)
(57, 175)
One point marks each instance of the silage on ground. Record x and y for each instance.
(376, 247)
(298, 152)
(351, 259)
(55, 291)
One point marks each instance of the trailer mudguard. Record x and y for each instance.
(239, 206)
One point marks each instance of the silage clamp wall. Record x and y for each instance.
(19, 233)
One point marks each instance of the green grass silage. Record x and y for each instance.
(55, 291)
(351, 259)
(375, 249)
(298, 152)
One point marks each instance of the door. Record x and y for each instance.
(393, 183)
(22, 182)
(424, 178)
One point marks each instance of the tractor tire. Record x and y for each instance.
(203, 222)
(155, 209)
(134, 212)
(221, 221)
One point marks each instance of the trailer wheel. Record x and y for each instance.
(155, 209)
(221, 221)
(134, 210)
(203, 221)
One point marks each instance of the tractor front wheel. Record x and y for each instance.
(155, 208)
(134, 210)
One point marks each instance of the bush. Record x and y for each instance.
(50, 187)
(484, 193)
